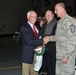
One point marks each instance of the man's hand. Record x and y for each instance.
(46, 39)
(64, 60)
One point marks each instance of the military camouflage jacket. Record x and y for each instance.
(65, 37)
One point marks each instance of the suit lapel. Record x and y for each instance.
(30, 29)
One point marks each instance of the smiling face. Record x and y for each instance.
(49, 15)
(60, 10)
(32, 17)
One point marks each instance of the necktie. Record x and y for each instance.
(35, 32)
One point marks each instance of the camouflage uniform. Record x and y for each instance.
(65, 45)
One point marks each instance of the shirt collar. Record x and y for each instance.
(30, 24)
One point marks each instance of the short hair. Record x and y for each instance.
(49, 11)
(28, 14)
(62, 5)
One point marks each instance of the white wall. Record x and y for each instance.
(13, 14)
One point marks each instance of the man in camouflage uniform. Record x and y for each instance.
(65, 42)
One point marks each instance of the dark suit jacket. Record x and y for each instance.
(29, 43)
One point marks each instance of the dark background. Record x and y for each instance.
(12, 16)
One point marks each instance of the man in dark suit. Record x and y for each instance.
(29, 36)
(49, 59)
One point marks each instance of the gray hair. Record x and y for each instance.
(28, 14)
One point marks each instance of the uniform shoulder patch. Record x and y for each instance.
(72, 28)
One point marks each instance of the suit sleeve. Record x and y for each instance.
(28, 38)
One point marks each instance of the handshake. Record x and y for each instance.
(46, 39)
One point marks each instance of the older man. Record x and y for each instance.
(30, 40)
(49, 59)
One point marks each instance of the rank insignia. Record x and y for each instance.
(72, 28)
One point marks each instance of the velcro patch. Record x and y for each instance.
(72, 28)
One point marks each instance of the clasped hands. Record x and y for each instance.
(46, 39)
